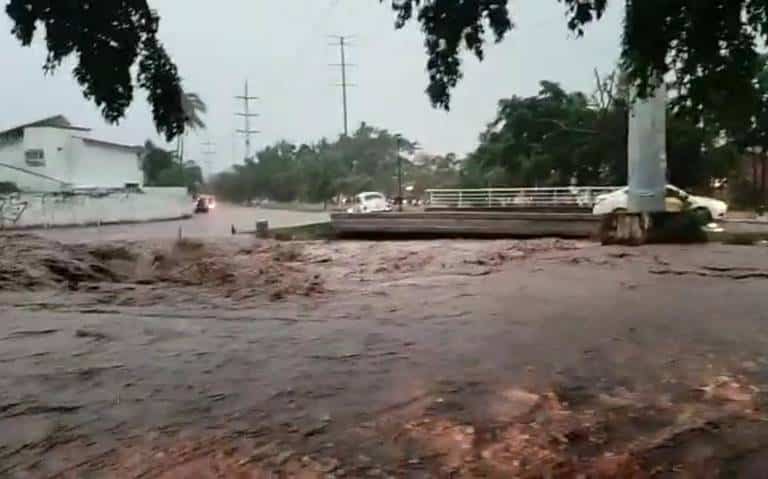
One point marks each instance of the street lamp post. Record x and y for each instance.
(411, 148)
(400, 180)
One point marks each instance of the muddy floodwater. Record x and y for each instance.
(253, 359)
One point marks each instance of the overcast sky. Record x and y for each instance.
(282, 47)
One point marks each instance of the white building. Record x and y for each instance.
(53, 155)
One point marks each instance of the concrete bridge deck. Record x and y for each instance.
(467, 223)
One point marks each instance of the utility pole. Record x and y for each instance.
(343, 43)
(647, 151)
(247, 115)
(209, 149)
(399, 174)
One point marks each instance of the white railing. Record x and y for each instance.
(563, 197)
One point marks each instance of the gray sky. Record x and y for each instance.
(283, 49)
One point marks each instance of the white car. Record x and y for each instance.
(676, 200)
(370, 202)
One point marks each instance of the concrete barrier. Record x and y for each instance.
(152, 204)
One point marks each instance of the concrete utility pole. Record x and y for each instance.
(342, 43)
(648, 152)
(209, 150)
(247, 115)
(647, 169)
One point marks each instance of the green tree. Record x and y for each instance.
(364, 160)
(696, 155)
(194, 107)
(189, 176)
(556, 137)
(753, 141)
(711, 47)
(107, 39)
(160, 169)
(155, 161)
(552, 139)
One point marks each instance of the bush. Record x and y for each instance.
(684, 227)
(8, 187)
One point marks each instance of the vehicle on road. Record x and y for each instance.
(370, 202)
(205, 204)
(676, 199)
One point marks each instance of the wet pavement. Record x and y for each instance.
(245, 358)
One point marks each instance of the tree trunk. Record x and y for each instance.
(755, 188)
(180, 156)
(764, 177)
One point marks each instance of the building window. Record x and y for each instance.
(35, 157)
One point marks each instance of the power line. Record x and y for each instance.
(247, 115)
(343, 43)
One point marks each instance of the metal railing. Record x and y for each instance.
(577, 197)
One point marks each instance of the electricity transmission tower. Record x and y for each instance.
(209, 150)
(342, 42)
(247, 115)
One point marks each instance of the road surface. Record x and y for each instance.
(217, 223)
(250, 358)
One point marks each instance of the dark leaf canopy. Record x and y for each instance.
(107, 38)
(708, 47)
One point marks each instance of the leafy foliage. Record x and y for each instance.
(193, 106)
(155, 161)
(558, 138)
(365, 160)
(107, 37)
(754, 141)
(450, 25)
(161, 169)
(552, 138)
(709, 47)
(8, 187)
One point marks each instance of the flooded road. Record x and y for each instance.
(217, 223)
(245, 358)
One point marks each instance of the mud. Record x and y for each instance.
(246, 358)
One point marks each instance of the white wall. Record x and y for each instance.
(55, 144)
(69, 159)
(153, 204)
(103, 166)
(9, 155)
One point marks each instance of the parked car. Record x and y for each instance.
(370, 202)
(204, 204)
(676, 200)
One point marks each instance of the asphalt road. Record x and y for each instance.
(217, 223)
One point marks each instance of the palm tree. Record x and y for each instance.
(193, 107)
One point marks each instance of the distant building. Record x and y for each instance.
(53, 155)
